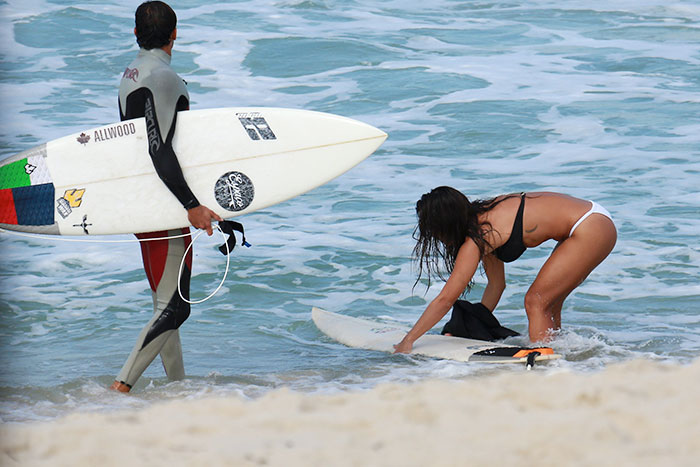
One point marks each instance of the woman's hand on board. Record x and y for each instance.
(403, 347)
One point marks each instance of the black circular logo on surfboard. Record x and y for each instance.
(234, 191)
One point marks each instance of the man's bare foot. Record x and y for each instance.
(119, 386)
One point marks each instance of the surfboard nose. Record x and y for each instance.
(381, 135)
(375, 135)
(350, 128)
(374, 132)
(358, 132)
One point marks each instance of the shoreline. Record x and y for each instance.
(632, 413)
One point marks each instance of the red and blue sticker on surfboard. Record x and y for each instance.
(26, 192)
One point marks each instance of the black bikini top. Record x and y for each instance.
(515, 246)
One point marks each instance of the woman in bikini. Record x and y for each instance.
(454, 234)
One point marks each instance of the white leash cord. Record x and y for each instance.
(57, 238)
(182, 263)
(184, 258)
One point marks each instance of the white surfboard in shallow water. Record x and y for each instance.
(236, 160)
(372, 335)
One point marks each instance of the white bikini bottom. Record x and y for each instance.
(595, 209)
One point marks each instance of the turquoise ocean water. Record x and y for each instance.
(597, 99)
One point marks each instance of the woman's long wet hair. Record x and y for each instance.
(445, 219)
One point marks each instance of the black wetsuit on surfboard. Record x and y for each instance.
(151, 89)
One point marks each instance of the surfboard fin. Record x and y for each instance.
(229, 227)
(531, 359)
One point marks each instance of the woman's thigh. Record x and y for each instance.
(573, 260)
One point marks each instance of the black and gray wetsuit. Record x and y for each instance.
(151, 89)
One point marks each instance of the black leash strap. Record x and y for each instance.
(229, 227)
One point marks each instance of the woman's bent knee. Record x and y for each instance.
(535, 303)
(540, 316)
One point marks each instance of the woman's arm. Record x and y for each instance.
(496, 281)
(465, 266)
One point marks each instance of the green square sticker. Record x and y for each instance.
(14, 175)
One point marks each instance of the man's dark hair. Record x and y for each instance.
(155, 22)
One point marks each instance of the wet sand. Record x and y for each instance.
(637, 413)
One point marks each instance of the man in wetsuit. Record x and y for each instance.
(150, 88)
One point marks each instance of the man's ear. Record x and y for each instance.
(173, 35)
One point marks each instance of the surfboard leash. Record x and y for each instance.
(57, 238)
(228, 227)
(224, 227)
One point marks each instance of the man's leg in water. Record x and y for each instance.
(161, 259)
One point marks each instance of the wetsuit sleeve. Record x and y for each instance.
(141, 103)
(164, 158)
